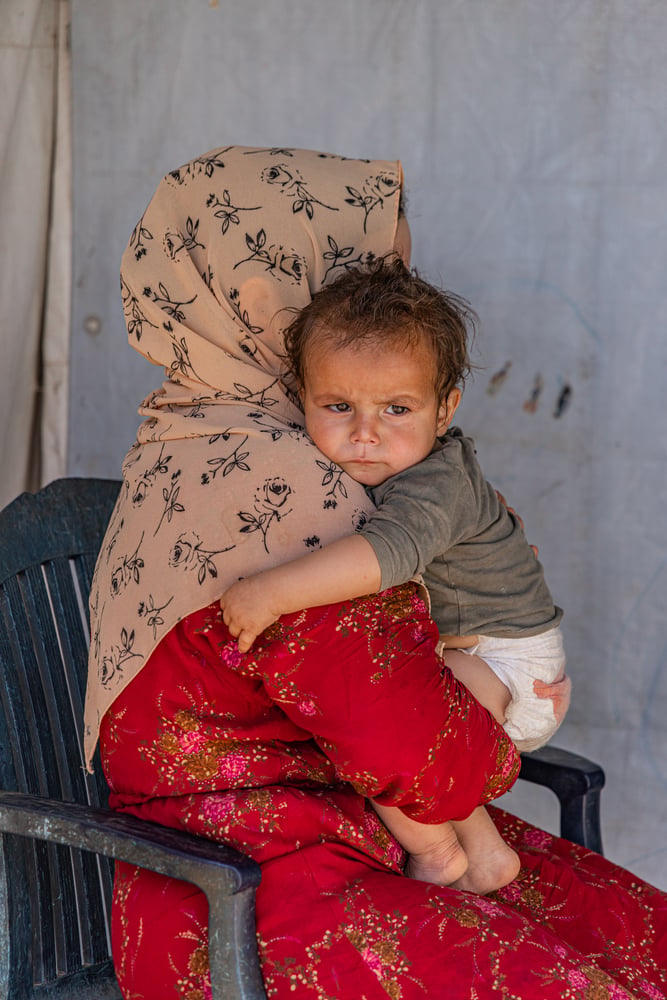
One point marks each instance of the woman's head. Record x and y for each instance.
(238, 235)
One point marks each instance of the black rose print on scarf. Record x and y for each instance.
(175, 243)
(279, 261)
(289, 179)
(271, 505)
(189, 554)
(374, 193)
(113, 662)
(144, 483)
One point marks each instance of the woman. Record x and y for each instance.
(277, 750)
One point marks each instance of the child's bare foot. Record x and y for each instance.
(490, 870)
(491, 862)
(442, 863)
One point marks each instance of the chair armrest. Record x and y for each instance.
(228, 877)
(577, 782)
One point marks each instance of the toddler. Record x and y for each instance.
(380, 357)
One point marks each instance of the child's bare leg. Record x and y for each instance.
(435, 854)
(491, 862)
(480, 680)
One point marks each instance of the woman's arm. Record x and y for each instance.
(345, 569)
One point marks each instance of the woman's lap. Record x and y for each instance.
(332, 928)
(335, 919)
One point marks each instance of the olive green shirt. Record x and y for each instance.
(441, 518)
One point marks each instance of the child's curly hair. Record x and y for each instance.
(386, 302)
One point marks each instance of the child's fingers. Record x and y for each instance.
(245, 640)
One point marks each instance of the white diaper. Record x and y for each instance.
(533, 668)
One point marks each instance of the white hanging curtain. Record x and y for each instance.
(35, 252)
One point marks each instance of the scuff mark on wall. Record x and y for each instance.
(563, 400)
(530, 405)
(497, 380)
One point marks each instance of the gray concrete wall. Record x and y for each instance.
(534, 141)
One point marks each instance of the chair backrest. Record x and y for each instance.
(54, 901)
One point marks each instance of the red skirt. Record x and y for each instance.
(276, 752)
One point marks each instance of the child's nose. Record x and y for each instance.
(365, 430)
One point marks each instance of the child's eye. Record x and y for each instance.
(396, 410)
(339, 407)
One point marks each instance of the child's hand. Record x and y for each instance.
(246, 611)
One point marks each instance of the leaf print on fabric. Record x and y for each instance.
(171, 503)
(375, 191)
(135, 319)
(114, 660)
(207, 278)
(243, 394)
(176, 243)
(127, 570)
(279, 261)
(188, 553)
(290, 180)
(171, 307)
(333, 475)
(181, 363)
(153, 614)
(226, 464)
(270, 503)
(207, 164)
(144, 483)
(342, 257)
(247, 344)
(140, 234)
(226, 211)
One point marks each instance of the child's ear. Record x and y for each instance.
(448, 408)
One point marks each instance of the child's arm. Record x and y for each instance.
(344, 569)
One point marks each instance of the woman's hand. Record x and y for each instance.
(247, 611)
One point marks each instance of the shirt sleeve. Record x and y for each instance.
(420, 514)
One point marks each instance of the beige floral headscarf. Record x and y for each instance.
(222, 480)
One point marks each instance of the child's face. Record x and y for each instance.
(374, 410)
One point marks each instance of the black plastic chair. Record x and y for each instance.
(54, 897)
